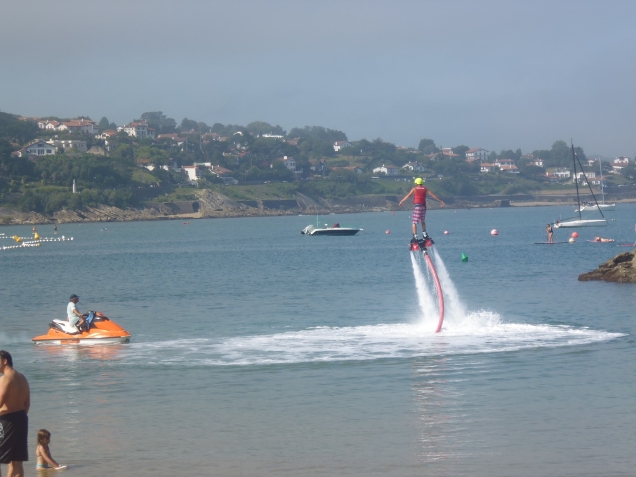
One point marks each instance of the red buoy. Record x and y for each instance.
(446, 232)
(494, 232)
(575, 234)
(387, 232)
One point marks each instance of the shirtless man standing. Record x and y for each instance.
(15, 400)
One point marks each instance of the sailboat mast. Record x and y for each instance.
(576, 182)
(602, 185)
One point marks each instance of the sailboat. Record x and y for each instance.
(580, 221)
(602, 205)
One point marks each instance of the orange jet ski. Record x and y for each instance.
(98, 330)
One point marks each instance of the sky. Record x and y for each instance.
(491, 74)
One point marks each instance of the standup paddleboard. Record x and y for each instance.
(548, 243)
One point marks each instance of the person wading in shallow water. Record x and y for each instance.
(15, 400)
(419, 210)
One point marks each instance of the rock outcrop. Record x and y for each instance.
(621, 269)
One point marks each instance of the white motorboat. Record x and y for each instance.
(333, 230)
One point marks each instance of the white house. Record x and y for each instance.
(476, 154)
(82, 126)
(388, 170)
(289, 162)
(138, 129)
(194, 172)
(106, 134)
(579, 177)
(48, 124)
(562, 173)
(620, 162)
(69, 144)
(174, 139)
(37, 148)
(341, 144)
(512, 169)
(414, 166)
(504, 162)
(537, 163)
(487, 167)
(269, 135)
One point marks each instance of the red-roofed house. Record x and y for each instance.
(106, 134)
(448, 151)
(48, 124)
(84, 126)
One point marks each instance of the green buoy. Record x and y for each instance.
(464, 257)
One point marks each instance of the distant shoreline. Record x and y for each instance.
(108, 214)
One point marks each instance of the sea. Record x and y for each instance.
(258, 351)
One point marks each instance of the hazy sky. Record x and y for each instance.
(491, 74)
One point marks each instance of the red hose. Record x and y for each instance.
(439, 292)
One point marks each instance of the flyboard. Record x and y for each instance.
(420, 246)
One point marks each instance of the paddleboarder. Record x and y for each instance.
(549, 231)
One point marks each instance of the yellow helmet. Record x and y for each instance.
(419, 181)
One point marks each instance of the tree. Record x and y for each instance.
(426, 143)
(103, 124)
(261, 127)
(158, 121)
(15, 130)
(189, 124)
(461, 151)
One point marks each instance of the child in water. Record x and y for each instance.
(43, 454)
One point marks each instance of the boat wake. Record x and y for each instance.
(478, 332)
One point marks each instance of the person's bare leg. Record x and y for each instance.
(15, 469)
(414, 229)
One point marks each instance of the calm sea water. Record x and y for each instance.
(258, 351)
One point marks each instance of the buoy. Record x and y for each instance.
(17, 239)
(445, 232)
(464, 257)
(575, 234)
(36, 236)
(572, 240)
(387, 232)
(494, 232)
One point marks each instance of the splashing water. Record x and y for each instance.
(455, 311)
(466, 333)
(482, 332)
(426, 299)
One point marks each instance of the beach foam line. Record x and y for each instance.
(479, 332)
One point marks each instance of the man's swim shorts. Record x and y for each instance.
(14, 428)
(419, 213)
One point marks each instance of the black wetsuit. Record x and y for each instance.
(14, 428)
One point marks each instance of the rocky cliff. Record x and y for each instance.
(208, 204)
(621, 269)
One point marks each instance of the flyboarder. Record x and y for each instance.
(419, 210)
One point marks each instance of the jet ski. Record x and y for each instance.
(100, 330)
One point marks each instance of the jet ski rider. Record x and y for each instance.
(419, 210)
(75, 318)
